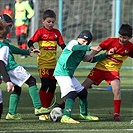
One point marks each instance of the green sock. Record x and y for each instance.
(68, 107)
(34, 94)
(83, 104)
(13, 103)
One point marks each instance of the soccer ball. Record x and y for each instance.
(56, 114)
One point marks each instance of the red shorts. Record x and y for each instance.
(99, 75)
(21, 30)
(46, 73)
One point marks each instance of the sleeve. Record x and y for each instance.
(29, 10)
(105, 44)
(81, 47)
(30, 43)
(4, 72)
(37, 36)
(62, 46)
(60, 40)
(73, 45)
(16, 50)
(99, 58)
(4, 51)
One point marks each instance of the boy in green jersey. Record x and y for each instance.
(70, 87)
(17, 75)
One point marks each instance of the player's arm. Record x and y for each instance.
(6, 79)
(32, 48)
(62, 46)
(102, 56)
(4, 72)
(30, 11)
(16, 50)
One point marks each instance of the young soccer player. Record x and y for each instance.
(18, 75)
(70, 87)
(23, 13)
(108, 69)
(48, 38)
(4, 51)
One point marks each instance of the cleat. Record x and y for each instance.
(66, 119)
(41, 111)
(44, 117)
(13, 117)
(89, 117)
(116, 117)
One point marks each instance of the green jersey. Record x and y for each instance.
(11, 64)
(70, 58)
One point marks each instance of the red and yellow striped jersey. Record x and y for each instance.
(114, 62)
(47, 41)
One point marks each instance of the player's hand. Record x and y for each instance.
(110, 52)
(10, 86)
(34, 50)
(24, 20)
(88, 58)
(96, 48)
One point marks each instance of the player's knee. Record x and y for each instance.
(72, 95)
(31, 81)
(82, 94)
(17, 90)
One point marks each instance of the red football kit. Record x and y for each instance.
(108, 68)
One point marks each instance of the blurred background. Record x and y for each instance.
(102, 17)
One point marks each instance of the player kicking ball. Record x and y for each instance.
(70, 87)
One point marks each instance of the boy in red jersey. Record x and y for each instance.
(108, 68)
(48, 38)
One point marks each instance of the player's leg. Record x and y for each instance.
(34, 94)
(68, 91)
(1, 104)
(117, 98)
(83, 104)
(51, 89)
(45, 81)
(13, 103)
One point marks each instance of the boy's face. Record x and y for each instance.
(49, 23)
(82, 41)
(123, 39)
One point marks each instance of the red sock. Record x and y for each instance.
(48, 99)
(42, 94)
(20, 46)
(117, 104)
(24, 46)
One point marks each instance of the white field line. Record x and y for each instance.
(65, 130)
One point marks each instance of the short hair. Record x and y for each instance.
(49, 14)
(4, 29)
(125, 30)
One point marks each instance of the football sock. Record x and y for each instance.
(117, 104)
(24, 46)
(68, 107)
(13, 103)
(34, 94)
(42, 94)
(48, 99)
(83, 104)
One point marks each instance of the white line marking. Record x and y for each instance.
(67, 130)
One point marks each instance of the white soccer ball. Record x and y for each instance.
(56, 114)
